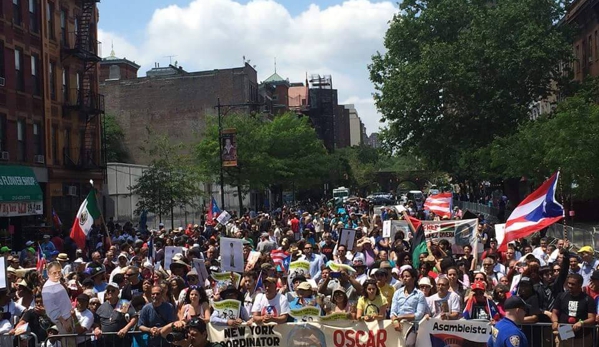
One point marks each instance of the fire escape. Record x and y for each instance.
(85, 99)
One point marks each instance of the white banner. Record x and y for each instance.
(332, 334)
(436, 332)
(15, 209)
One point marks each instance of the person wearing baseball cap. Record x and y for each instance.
(588, 264)
(478, 306)
(506, 333)
(271, 306)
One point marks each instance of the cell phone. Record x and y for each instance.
(335, 274)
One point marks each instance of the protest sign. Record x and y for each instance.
(227, 309)
(458, 232)
(436, 332)
(223, 217)
(317, 334)
(296, 268)
(347, 238)
(223, 279)
(231, 254)
(306, 314)
(200, 266)
(169, 252)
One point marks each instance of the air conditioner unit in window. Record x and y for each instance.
(2, 81)
(4, 156)
(72, 191)
(39, 159)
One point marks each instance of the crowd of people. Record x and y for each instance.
(123, 294)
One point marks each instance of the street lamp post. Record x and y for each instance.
(220, 142)
(220, 155)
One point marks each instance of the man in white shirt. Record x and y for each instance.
(83, 318)
(270, 306)
(445, 304)
(123, 262)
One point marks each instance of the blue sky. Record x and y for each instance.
(316, 36)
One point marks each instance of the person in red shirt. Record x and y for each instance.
(57, 241)
(295, 224)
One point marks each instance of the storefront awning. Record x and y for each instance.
(20, 194)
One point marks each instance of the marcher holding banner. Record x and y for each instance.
(270, 306)
(408, 304)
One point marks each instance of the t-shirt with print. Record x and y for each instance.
(276, 306)
(371, 307)
(578, 307)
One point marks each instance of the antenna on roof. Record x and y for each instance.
(275, 64)
(170, 59)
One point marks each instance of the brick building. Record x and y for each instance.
(50, 110)
(171, 101)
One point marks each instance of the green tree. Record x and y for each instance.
(567, 139)
(170, 180)
(114, 137)
(284, 151)
(457, 73)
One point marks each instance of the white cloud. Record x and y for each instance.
(208, 34)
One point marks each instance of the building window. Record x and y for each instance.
(63, 28)
(21, 154)
(3, 133)
(590, 47)
(54, 139)
(16, 12)
(19, 69)
(67, 142)
(34, 26)
(50, 20)
(52, 80)
(37, 139)
(35, 75)
(65, 85)
(2, 72)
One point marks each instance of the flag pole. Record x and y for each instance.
(102, 221)
(561, 188)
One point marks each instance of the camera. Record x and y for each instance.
(177, 335)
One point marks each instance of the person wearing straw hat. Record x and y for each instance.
(63, 258)
(52, 341)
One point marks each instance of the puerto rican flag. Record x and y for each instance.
(440, 204)
(40, 266)
(537, 211)
(281, 257)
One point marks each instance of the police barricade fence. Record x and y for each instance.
(431, 333)
(20, 340)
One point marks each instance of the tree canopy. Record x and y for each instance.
(458, 73)
(114, 137)
(284, 151)
(169, 181)
(566, 139)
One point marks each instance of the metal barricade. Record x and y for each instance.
(19, 340)
(133, 338)
(542, 335)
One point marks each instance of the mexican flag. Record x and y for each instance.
(88, 213)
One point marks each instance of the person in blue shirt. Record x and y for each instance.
(506, 333)
(305, 298)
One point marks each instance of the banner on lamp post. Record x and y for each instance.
(229, 147)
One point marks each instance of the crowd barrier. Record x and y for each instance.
(431, 333)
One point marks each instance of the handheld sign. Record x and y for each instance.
(223, 217)
(347, 238)
(231, 254)
(227, 309)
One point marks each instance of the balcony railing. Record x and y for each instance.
(87, 101)
(87, 48)
(82, 158)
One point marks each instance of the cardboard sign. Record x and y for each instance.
(223, 217)
(200, 266)
(169, 253)
(231, 254)
(347, 238)
(227, 309)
